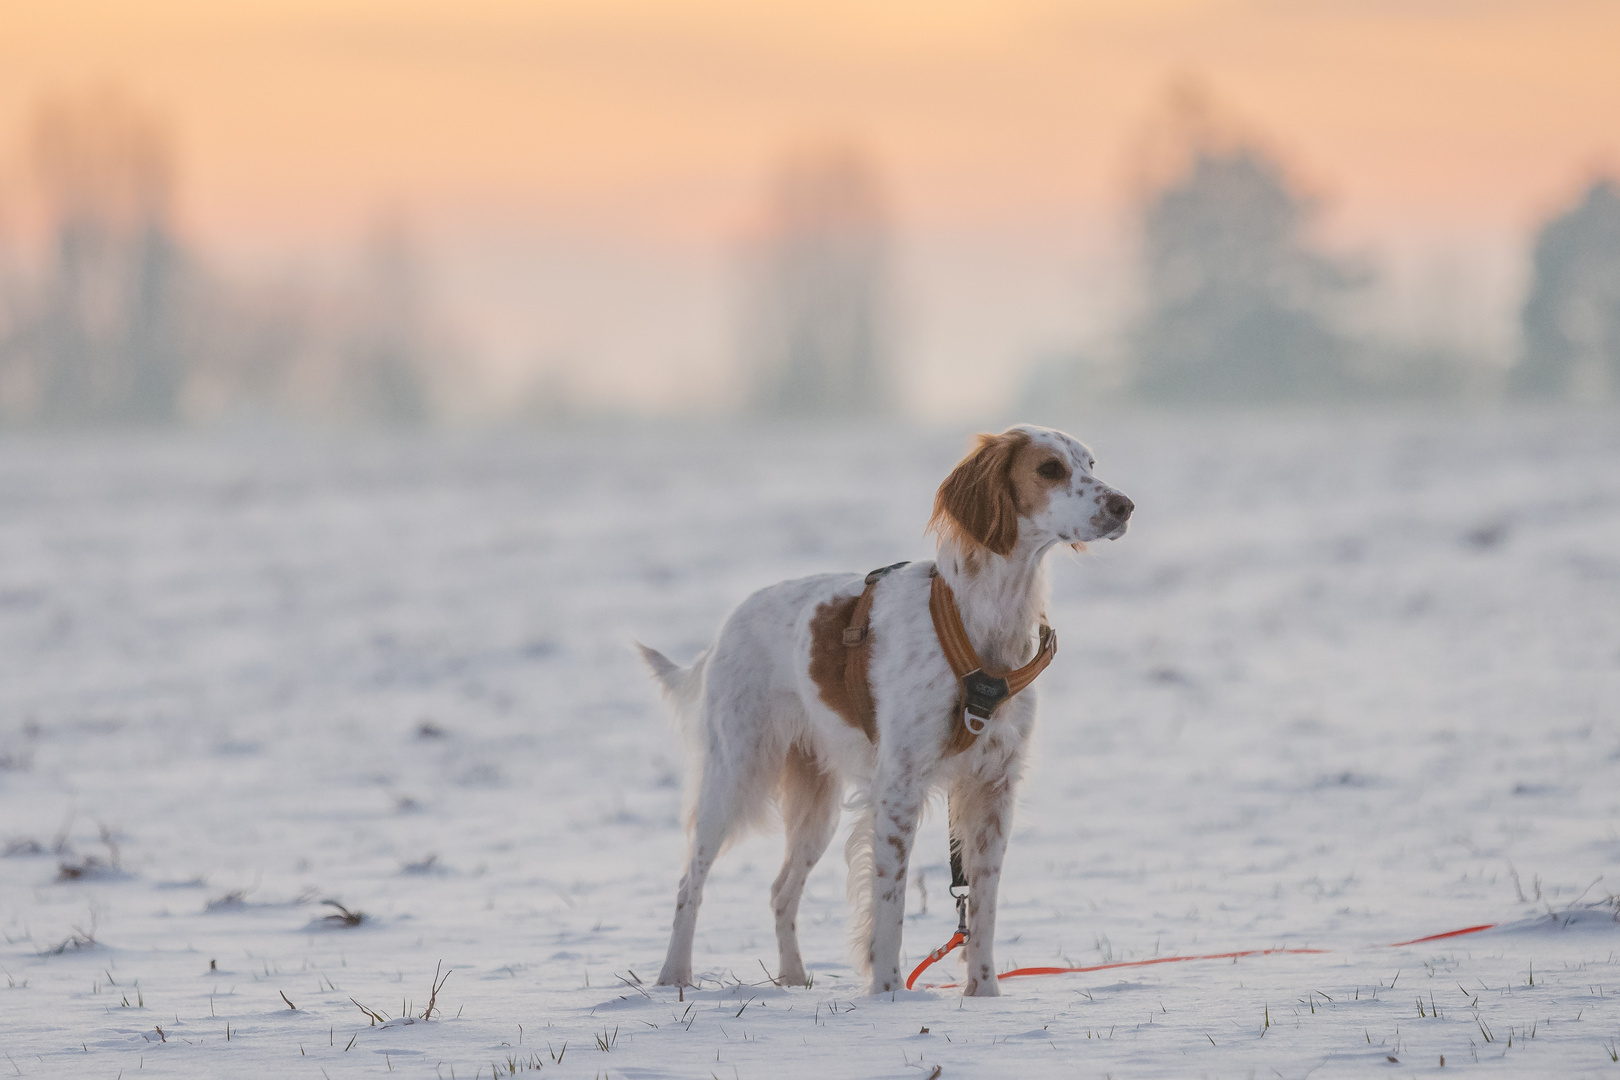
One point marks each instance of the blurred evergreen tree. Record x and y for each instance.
(105, 344)
(1571, 321)
(120, 324)
(816, 331)
(1238, 304)
(386, 361)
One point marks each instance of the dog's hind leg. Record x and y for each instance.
(741, 753)
(810, 814)
(712, 820)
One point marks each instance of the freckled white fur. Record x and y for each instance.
(759, 732)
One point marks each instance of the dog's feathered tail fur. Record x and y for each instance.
(683, 688)
(681, 685)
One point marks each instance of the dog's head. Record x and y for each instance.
(1028, 484)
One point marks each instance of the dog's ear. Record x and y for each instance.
(975, 503)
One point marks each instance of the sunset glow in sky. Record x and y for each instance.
(652, 124)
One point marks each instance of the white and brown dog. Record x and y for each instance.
(767, 712)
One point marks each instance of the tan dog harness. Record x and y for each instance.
(982, 692)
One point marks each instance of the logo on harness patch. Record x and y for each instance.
(984, 693)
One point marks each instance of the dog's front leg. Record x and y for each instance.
(981, 814)
(900, 790)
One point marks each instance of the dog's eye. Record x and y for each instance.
(1052, 469)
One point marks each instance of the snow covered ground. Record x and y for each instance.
(1348, 681)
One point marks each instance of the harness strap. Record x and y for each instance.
(858, 658)
(982, 692)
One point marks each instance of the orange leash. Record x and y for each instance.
(1437, 937)
(957, 939)
(938, 954)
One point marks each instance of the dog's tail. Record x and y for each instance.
(681, 685)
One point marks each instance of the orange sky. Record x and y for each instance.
(657, 118)
(1003, 128)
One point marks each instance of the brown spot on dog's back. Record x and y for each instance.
(829, 654)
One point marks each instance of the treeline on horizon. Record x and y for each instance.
(1238, 305)
(120, 322)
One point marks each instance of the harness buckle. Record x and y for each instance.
(883, 571)
(983, 693)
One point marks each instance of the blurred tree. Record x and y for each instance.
(1571, 320)
(1059, 387)
(816, 331)
(16, 395)
(386, 359)
(362, 349)
(105, 342)
(122, 325)
(1238, 304)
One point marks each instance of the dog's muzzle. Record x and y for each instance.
(1111, 518)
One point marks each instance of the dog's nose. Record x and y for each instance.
(1118, 506)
